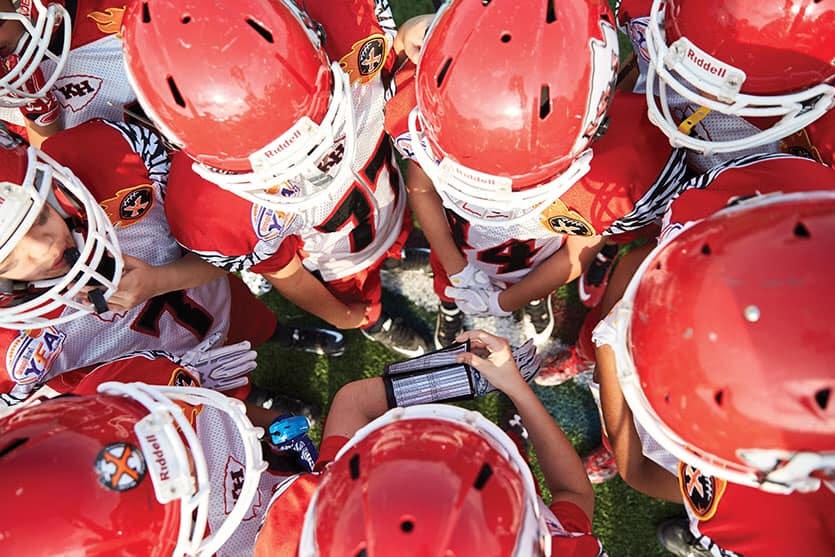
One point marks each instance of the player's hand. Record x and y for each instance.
(410, 36)
(501, 366)
(477, 302)
(138, 285)
(222, 368)
(470, 277)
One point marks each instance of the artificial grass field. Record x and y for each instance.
(624, 519)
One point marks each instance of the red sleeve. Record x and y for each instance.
(221, 227)
(574, 521)
(628, 160)
(328, 449)
(141, 366)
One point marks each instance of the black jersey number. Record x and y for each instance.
(185, 311)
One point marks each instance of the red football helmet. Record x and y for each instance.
(749, 58)
(247, 91)
(724, 346)
(29, 179)
(509, 97)
(39, 23)
(427, 480)
(119, 473)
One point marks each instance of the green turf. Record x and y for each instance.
(624, 519)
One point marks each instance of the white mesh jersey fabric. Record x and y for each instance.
(380, 189)
(224, 453)
(93, 84)
(507, 252)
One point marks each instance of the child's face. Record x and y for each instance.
(10, 31)
(40, 253)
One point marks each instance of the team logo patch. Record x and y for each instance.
(559, 219)
(702, 493)
(32, 353)
(109, 21)
(268, 224)
(75, 92)
(120, 466)
(130, 205)
(233, 483)
(366, 59)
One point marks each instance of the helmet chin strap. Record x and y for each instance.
(107, 267)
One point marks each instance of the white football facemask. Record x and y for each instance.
(714, 85)
(483, 198)
(187, 472)
(20, 208)
(16, 87)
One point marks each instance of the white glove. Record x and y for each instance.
(223, 368)
(477, 302)
(470, 277)
(527, 360)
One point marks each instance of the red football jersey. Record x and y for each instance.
(734, 520)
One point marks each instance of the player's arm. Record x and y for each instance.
(299, 286)
(561, 466)
(634, 467)
(410, 35)
(38, 134)
(429, 211)
(141, 281)
(562, 267)
(355, 405)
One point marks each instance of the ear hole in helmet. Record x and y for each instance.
(483, 477)
(442, 74)
(551, 12)
(260, 29)
(801, 231)
(185, 19)
(12, 446)
(719, 397)
(354, 467)
(706, 249)
(544, 102)
(175, 92)
(146, 13)
(822, 398)
(407, 525)
(505, 38)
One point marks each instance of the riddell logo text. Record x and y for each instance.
(283, 145)
(705, 65)
(159, 457)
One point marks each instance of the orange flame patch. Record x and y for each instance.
(109, 21)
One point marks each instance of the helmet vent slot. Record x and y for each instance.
(801, 231)
(505, 38)
(407, 526)
(354, 467)
(486, 2)
(719, 397)
(544, 102)
(146, 13)
(483, 476)
(185, 19)
(706, 249)
(442, 74)
(175, 92)
(822, 398)
(12, 446)
(260, 29)
(551, 14)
